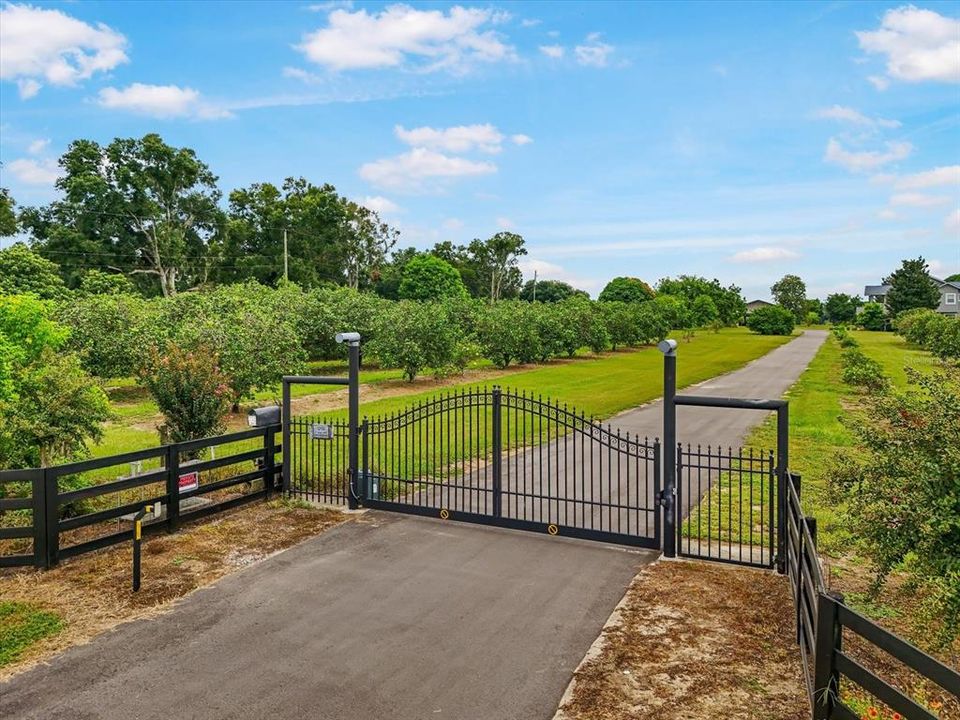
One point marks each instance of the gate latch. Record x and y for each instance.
(661, 497)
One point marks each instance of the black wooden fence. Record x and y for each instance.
(830, 671)
(48, 514)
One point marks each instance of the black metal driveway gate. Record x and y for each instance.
(510, 459)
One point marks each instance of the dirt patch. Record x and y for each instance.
(92, 594)
(695, 641)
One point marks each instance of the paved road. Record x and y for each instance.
(391, 617)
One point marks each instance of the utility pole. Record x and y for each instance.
(534, 285)
(286, 274)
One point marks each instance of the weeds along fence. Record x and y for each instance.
(49, 514)
(837, 644)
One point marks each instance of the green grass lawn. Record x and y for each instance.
(600, 386)
(21, 625)
(818, 401)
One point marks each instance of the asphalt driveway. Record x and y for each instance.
(389, 616)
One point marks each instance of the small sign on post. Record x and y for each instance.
(319, 431)
(189, 481)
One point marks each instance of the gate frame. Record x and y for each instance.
(352, 381)
(670, 402)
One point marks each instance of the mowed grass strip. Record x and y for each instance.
(21, 625)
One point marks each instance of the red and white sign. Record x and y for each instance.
(188, 482)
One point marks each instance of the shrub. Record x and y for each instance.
(22, 271)
(191, 390)
(651, 322)
(773, 320)
(620, 321)
(414, 336)
(872, 317)
(704, 311)
(943, 337)
(505, 333)
(98, 282)
(902, 491)
(862, 371)
(110, 332)
(586, 322)
(912, 324)
(427, 277)
(674, 311)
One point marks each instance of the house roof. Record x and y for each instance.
(876, 290)
(758, 302)
(949, 283)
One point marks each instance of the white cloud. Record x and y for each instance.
(879, 82)
(452, 224)
(847, 114)
(300, 74)
(521, 139)
(888, 214)
(551, 271)
(944, 175)
(867, 160)
(462, 138)
(34, 172)
(414, 171)
(593, 52)
(553, 51)
(400, 34)
(530, 22)
(380, 205)
(38, 146)
(764, 254)
(161, 101)
(41, 45)
(919, 45)
(505, 223)
(952, 222)
(331, 5)
(917, 200)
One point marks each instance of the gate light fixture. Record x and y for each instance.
(667, 347)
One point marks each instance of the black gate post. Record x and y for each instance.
(39, 496)
(356, 487)
(783, 463)
(669, 350)
(173, 487)
(285, 440)
(497, 451)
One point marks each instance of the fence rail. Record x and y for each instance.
(822, 617)
(61, 522)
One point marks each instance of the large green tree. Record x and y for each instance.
(790, 292)
(911, 287)
(23, 271)
(427, 277)
(327, 237)
(137, 205)
(626, 289)
(549, 291)
(496, 262)
(728, 300)
(841, 308)
(8, 216)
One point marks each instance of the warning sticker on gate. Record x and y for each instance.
(552, 529)
(445, 514)
(319, 431)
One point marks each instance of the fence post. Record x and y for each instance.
(51, 517)
(269, 461)
(368, 491)
(826, 679)
(670, 509)
(356, 487)
(783, 463)
(38, 491)
(497, 451)
(285, 439)
(173, 487)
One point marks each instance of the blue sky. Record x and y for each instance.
(740, 141)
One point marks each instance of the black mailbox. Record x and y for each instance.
(261, 417)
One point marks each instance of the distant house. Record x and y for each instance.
(949, 296)
(757, 304)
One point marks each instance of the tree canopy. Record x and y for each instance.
(911, 287)
(23, 271)
(728, 300)
(841, 308)
(626, 289)
(549, 291)
(427, 277)
(790, 292)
